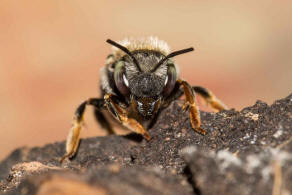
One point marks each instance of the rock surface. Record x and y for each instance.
(245, 152)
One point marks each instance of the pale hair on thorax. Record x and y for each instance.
(145, 43)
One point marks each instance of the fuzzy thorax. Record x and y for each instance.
(149, 43)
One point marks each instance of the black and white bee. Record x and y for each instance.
(139, 79)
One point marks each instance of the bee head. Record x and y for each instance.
(145, 77)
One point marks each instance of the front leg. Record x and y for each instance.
(122, 115)
(190, 102)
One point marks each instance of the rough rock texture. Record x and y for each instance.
(246, 152)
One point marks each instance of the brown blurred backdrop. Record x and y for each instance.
(51, 53)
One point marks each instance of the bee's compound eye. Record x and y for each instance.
(170, 80)
(121, 80)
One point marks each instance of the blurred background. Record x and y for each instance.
(51, 53)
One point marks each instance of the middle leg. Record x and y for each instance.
(73, 138)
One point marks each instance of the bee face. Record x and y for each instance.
(143, 88)
(143, 75)
(146, 83)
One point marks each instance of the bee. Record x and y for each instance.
(140, 79)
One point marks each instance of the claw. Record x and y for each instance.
(200, 131)
(146, 136)
(73, 139)
(64, 157)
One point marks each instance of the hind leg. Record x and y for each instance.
(210, 98)
(100, 118)
(206, 94)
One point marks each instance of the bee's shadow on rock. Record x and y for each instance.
(134, 137)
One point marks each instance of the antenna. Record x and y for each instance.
(124, 49)
(175, 53)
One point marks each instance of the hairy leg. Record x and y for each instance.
(210, 98)
(206, 94)
(122, 115)
(74, 134)
(190, 103)
(101, 119)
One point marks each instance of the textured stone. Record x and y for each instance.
(244, 152)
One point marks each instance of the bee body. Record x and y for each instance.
(138, 80)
